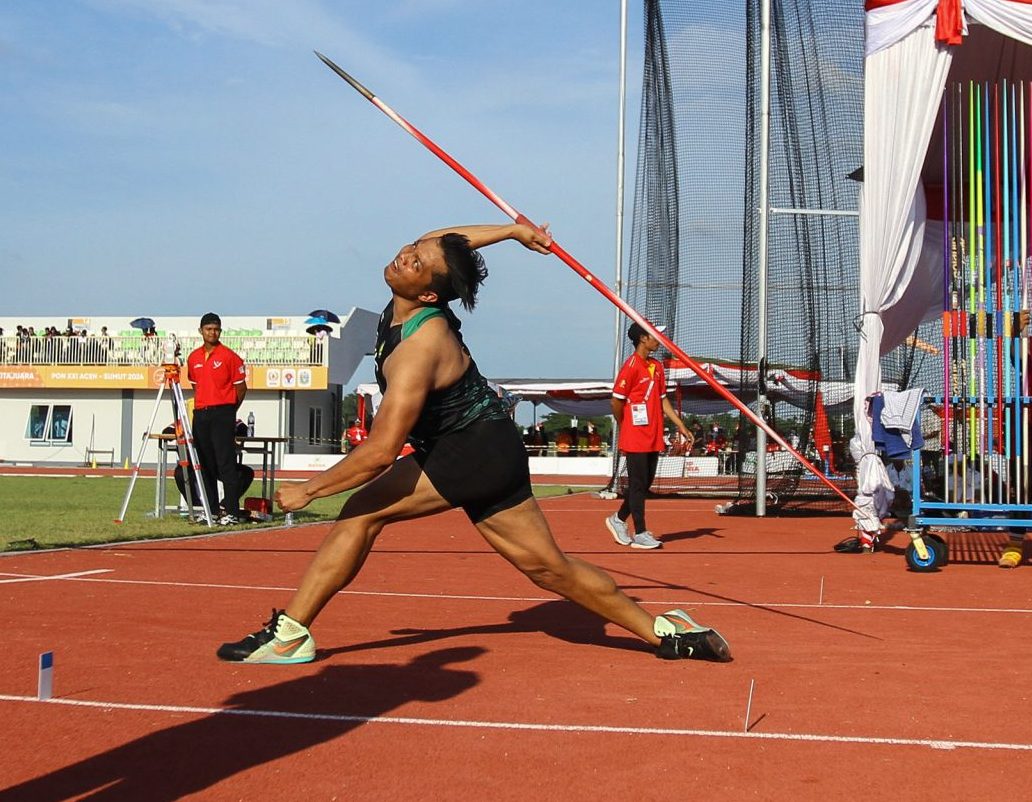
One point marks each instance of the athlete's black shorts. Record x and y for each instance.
(482, 469)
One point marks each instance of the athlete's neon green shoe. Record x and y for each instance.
(681, 637)
(281, 640)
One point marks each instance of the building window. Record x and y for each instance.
(314, 426)
(49, 423)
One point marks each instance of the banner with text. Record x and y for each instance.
(144, 377)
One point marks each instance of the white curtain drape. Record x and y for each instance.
(1012, 18)
(888, 24)
(903, 87)
(921, 299)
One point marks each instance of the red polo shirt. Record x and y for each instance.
(641, 381)
(214, 376)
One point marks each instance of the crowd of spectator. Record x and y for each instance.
(566, 441)
(710, 440)
(52, 345)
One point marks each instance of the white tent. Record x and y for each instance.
(911, 45)
(587, 398)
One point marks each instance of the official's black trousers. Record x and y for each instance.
(214, 430)
(245, 476)
(641, 470)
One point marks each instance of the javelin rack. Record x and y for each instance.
(187, 454)
(987, 280)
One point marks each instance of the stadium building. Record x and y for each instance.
(88, 397)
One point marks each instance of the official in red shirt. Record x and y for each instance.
(639, 405)
(219, 379)
(355, 434)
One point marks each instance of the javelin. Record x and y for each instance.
(584, 273)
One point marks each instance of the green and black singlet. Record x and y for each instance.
(450, 409)
(464, 441)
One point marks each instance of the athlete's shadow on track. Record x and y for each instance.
(189, 758)
(559, 619)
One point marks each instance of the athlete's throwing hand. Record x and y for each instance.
(292, 497)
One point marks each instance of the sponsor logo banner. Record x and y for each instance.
(287, 377)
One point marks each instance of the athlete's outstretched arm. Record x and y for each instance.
(537, 239)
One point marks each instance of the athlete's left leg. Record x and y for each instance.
(521, 535)
(402, 492)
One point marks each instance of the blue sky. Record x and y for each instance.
(165, 157)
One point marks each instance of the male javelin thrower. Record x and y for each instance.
(468, 454)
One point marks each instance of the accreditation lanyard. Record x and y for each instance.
(640, 412)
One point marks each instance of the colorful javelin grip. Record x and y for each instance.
(584, 273)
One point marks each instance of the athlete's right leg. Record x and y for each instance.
(522, 536)
(401, 493)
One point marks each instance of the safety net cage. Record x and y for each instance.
(684, 267)
(695, 259)
(813, 249)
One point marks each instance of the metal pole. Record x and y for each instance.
(761, 330)
(618, 282)
(621, 117)
(139, 457)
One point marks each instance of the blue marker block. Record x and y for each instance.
(46, 676)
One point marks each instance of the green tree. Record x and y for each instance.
(348, 409)
(554, 421)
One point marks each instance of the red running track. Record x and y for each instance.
(443, 674)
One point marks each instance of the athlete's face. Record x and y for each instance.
(412, 271)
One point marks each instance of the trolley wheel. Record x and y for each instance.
(936, 556)
(940, 543)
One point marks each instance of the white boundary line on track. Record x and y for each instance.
(678, 511)
(119, 545)
(931, 743)
(45, 577)
(471, 597)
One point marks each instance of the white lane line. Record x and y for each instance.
(602, 511)
(43, 577)
(931, 743)
(471, 597)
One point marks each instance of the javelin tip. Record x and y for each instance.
(355, 84)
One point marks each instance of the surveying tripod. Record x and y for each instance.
(187, 454)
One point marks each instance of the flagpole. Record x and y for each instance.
(761, 280)
(618, 282)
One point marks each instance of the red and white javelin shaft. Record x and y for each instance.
(584, 273)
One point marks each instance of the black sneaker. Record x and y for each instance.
(281, 640)
(857, 545)
(682, 638)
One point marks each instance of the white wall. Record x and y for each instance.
(99, 409)
(102, 410)
(302, 404)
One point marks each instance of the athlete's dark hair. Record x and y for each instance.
(466, 272)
